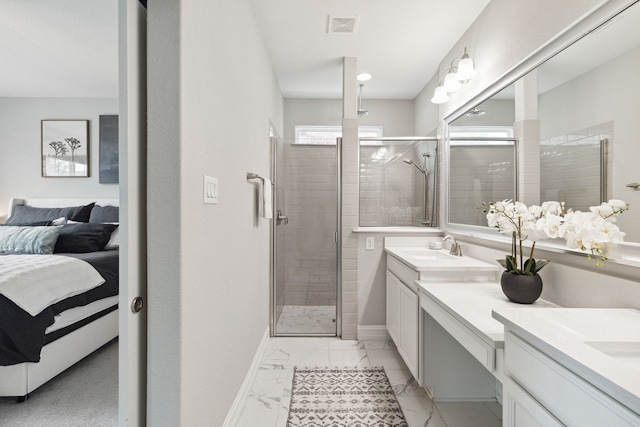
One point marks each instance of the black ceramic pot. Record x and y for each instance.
(521, 288)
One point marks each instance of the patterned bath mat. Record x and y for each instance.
(343, 397)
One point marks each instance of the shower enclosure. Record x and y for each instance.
(398, 182)
(305, 285)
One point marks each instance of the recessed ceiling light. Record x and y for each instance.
(364, 77)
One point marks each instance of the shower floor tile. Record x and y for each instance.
(313, 319)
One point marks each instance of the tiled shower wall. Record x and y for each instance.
(309, 200)
(391, 191)
(570, 168)
(478, 174)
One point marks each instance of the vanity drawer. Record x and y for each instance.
(479, 349)
(567, 396)
(403, 272)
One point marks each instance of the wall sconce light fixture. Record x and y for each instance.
(459, 73)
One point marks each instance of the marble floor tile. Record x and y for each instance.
(496, 408)
(379, 345)
(299, 343)
(338, 344)
(252, 417)
(270, 394)
(468, 414)
(390, 359)
(403, 383)
(301, 319)
(348, 357)
(421, 412)
(308, 358)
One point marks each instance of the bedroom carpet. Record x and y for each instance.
(85, 395)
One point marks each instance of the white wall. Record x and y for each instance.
(212, 93)
(395, 116)
(20, 142)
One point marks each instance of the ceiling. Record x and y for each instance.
(69, 48)
(401, 43)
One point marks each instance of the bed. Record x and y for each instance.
(36, 343)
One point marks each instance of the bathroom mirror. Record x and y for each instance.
(588, 109)
(482, 158)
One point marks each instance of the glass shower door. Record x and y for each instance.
(305, 286)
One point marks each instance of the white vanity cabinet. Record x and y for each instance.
(562, 366)
(540, 385)
(408, 267)
(403, 312)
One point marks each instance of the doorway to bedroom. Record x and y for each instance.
(306, 236)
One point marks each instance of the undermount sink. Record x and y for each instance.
(424, 259)
(430, 254)
(626, 351)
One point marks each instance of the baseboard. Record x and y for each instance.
(234, 414)
(372, 332)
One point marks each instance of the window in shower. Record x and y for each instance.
(397, 182)
(327, 135)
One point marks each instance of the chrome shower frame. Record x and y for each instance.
(273, 257)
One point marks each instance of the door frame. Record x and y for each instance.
(132, 357)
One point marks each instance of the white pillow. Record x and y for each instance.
(114, 241)
(60, 221)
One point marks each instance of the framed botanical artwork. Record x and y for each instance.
(65, 148)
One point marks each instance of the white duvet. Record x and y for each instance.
(34, 282)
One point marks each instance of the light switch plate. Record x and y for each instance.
(210, 190)
(369, 244)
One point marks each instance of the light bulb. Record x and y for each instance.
(465, 70)
(451, 83)
(440, 96)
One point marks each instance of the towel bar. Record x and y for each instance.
(251, 175)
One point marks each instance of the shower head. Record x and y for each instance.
(361, 111)
(411, 162)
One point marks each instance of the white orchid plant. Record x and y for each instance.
(587, 231)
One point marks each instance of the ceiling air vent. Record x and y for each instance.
(343, 24)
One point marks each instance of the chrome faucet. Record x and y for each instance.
(456, 248)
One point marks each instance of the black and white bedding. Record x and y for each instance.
(23, 335)
(37, 233)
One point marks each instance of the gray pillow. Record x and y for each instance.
(30, 214)
(104, 214)
(29, 240)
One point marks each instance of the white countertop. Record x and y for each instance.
(573, 336)
(424, 259)
(472, 303)
(423, 231)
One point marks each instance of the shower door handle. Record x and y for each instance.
(281, 218)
